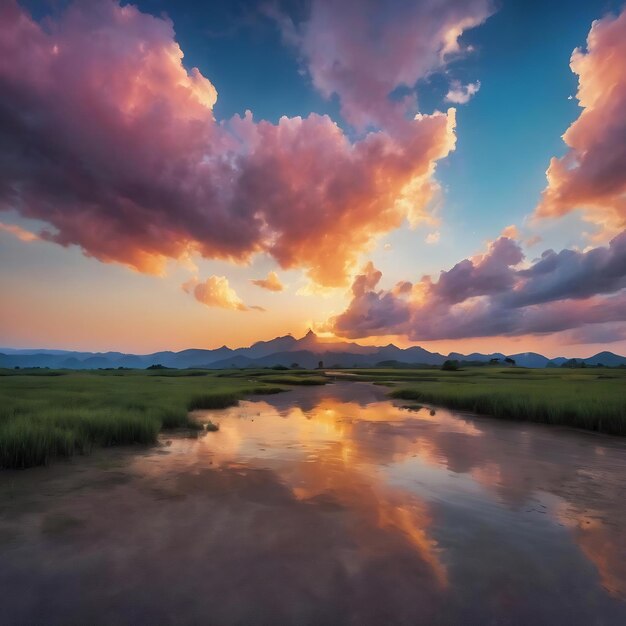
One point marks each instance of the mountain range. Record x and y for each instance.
(288, 351)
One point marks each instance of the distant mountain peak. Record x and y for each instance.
(263, 348)
(310, 339)
(284, 350)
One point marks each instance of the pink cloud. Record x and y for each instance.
(362, 50)
(324, 198)
(126, 160)
(494, 294)
(592, 174)
(271, 282)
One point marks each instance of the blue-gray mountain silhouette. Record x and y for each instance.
(307, 352)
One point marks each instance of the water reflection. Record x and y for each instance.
(325, 505)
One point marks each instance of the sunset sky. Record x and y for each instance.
(448, 173)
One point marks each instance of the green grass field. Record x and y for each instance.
(47, 413)
(589, 398)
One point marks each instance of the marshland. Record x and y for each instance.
(344, 497)
(59, 413)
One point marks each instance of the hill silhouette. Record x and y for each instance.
(285, 350)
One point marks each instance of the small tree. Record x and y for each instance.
(450, 366)
(320, 365)
(571, 363)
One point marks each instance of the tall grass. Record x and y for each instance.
(213, 401)
(290, 379)
(582, 400)
(43, 417)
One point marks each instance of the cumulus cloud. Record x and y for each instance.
(494, 294)
(592, 174)
(371, 312)
(363, 50)
(433, 237)
(271, 283)
(461, 94)
(126, 160)
(512, 232)
(215, 291)
(572, 274)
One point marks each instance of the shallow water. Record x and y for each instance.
(326, 505)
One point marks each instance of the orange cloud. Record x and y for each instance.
(325, 199)
(511, 232)
(271, 283)
(17, 231)
(592, 175)
(215, 291)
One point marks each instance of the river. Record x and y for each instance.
(324, 505)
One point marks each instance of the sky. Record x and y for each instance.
(444, 173)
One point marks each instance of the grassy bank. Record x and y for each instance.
(591, 398)
(45, 413)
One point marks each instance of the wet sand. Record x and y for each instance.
(325, 505)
